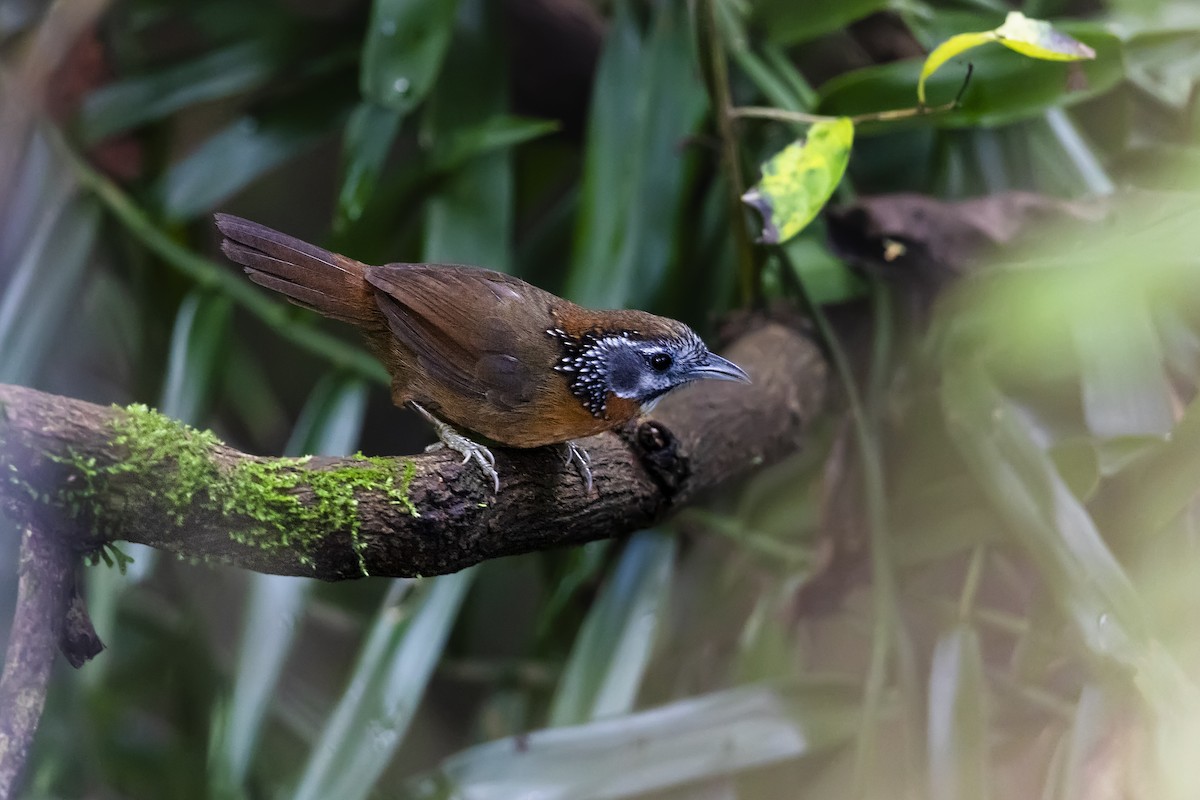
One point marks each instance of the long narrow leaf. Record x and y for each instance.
(143, 98)
(369, 133)
(44, 287)
(610, 655)
(670, 746)
(403, 52)
(469, 219)
(198, 345)
(1019, 477)
(647, 99)
(236, 156)
(388, 683)
(330, 424)
(958, 757)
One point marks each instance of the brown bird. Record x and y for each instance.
(484, 351)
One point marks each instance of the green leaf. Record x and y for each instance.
(368, 137)
(329, 425)
(647, 98)
(388, 682)
(154, 95)
(788, 22)
(198, 347)
(1037, 38)
(1074, 759)
(465, 141)
(1126, 391)
(673, 745)
(955, 45)
(827, 280)
(999, 446)
(958, 735)
(331, 421)
(1033, 38)
(582, 566)
(45, 285)
(405, 45)
(469, 219)
(798, 181)
(1004, 87)
(237, 155)
(610, 655)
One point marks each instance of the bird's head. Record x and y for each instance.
(639, 366)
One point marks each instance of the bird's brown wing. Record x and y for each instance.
(477, 332)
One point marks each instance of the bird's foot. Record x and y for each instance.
(583, 464)
(453, 440)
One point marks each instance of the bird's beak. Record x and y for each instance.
(720, 369)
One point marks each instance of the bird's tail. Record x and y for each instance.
(325, 282)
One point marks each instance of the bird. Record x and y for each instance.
(482, 354)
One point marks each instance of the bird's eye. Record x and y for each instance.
(661, 362)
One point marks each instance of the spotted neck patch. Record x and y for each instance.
(582, 361)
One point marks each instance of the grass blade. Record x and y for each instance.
(388, 682)
(403, 52)
(44, 285)
(634, 172)
(236, 156)
(998, 446)
(469, 219)
(198, 343)
(144, 98)
(365, 144)
(330, 424)
(609, 658)
(670, 746)
(958, 757)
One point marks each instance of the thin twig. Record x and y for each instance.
(722, 102)
(891, 115)
(43, 591)
(211, 275)
(887, 632)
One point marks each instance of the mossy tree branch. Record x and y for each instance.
(106, 474)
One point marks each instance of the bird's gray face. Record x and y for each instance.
(646, 369)
(634, 367)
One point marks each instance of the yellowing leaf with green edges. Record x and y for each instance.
(799, 180)
(1034, 38)
(1037, 38)
(955, 45)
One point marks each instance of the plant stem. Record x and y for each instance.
(210, 275)
(803, 118)
(886, 629)
(718, 86)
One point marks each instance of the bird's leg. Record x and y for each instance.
(583, 464)
(453, 440)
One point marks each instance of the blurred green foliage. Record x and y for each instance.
(981, 582)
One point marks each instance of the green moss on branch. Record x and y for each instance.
(275, 504)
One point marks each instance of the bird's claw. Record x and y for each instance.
(583, 464)
(451, 439)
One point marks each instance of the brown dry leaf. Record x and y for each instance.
(927, 242)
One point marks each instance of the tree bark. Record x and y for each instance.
(43, 594)
(71, 466)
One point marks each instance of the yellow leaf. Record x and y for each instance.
(1037, 39)
(1034, 38)
(798, 181)
(947, 50)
